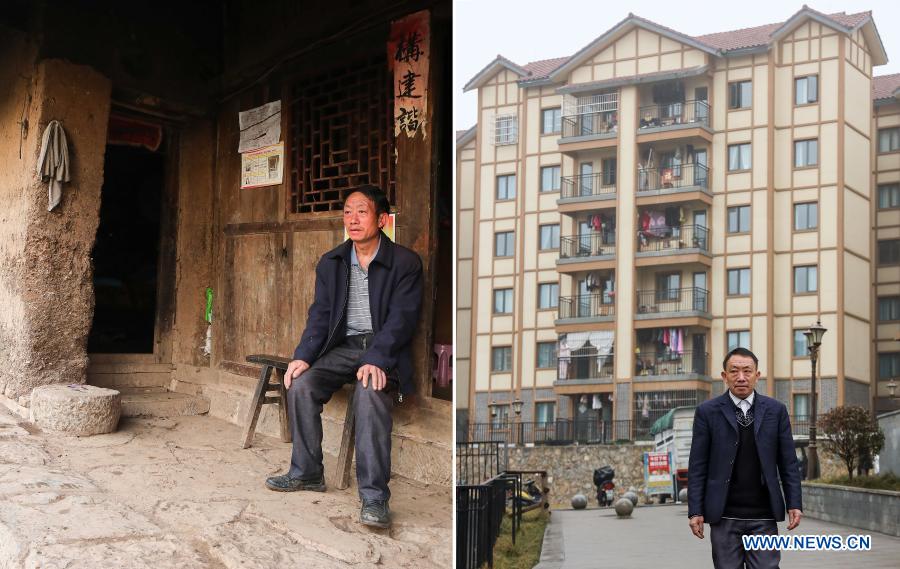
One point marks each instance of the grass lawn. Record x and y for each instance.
(879, 482)
(527, 551)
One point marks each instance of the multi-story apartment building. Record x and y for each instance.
(630, 213)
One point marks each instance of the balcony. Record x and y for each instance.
(586, 308)
(682, 303)
(671, 365)
(587, 191)
(588, 130)
(663, 244)
(686, 119)
(587, 252)
(685, 182)
(579, 371)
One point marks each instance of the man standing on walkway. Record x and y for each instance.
(742, 457)
(366, 308)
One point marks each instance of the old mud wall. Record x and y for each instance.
(47, 296)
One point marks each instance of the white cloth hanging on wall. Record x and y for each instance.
(53, 163)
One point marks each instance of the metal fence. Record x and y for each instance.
(672, 300)
(659, 180)
(479, 514)
(584, 185)
(587, 124)
(665, 238)
(481, 459)
(683, 112)
(587, 306)
(558, 432)
(671, 363)
(593, 244)
(585, 367)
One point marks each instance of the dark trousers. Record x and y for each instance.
(728, 550)
(309, 393)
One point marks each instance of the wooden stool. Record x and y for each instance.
(340, 478)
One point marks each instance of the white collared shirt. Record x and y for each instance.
(744, 404)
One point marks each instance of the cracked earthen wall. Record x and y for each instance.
(46, 295)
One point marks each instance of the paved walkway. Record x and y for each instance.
(167, 493)
(658, 536)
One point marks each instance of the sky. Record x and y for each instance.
(528, 30)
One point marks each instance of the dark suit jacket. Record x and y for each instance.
(395, 298)
(714, 447)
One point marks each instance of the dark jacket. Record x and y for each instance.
(395, 298)
(713, 450)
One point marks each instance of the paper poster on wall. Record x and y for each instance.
(262, 167)
(260, 126)
(388, 228)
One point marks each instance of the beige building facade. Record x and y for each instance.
(630, 213)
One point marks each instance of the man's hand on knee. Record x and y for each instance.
(375, 373)
(295, 368)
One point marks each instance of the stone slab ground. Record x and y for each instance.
(167, 493)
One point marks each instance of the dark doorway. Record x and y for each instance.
(126, 252)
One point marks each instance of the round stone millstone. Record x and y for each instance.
(81, 410)
(682, 495)
(579, 501)
(624, 507)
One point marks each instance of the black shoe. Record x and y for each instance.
(287, 483)
(375, 513)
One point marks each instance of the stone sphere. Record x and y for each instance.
(632, 497)
(81, 410)
(682, 494)
(579, 501)
(624, 507)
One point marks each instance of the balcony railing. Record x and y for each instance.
(661, 180)
(559, 432)
(671, 363)
(587, 306)
(664, 238)
(687, 112)
(585, 368)
(672, 300)
(588, 185)
(588, 245)
(589, 124)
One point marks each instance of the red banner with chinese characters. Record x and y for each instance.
(408, 47)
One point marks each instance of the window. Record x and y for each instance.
(551, 121)
(549, 237)
(740, 95)
(548, 295)
(889, 252)
(806, 216)
(888, 308)
(888, 365)
(888, 139)
(806, 153)
(506, 129)
(668, 286)
(806, 279)
(504, 244)
(501, 358)
(550, 179)
(739, 157)
(806, 90)
(801, 406)
(544, 411)
(738, 281)
(506, 187)
(546, 355)
(739, 219)
(800, 344)
(739, 339)
(608, 171)
(503, 301)
(888, 196)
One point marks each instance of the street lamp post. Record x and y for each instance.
(813, 341)
(517, 408)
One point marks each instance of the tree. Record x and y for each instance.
(851, 434)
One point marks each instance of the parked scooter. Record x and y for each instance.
(603, 480)
(530, 497)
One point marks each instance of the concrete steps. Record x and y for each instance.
(116, 375)
(159, 402)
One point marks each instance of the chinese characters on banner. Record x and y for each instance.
(408, 54)
(658, 473)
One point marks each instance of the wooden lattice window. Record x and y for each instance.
(342, 136)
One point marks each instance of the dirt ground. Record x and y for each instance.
(180, 493)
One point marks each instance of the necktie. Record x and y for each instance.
(744, 419)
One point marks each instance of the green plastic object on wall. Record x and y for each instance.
(209, 304)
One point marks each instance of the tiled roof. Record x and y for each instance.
(883, 87)
(726, 41)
